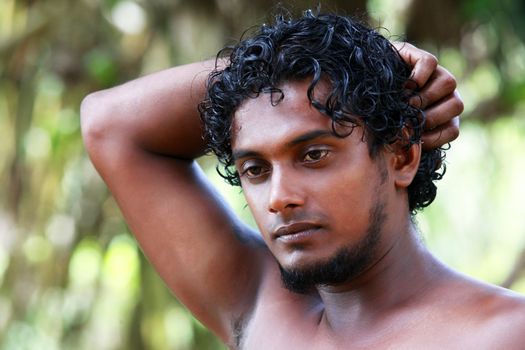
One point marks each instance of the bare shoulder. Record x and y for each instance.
(506, 318)
(493, 315)
(488, 301)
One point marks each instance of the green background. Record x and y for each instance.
(72, 276)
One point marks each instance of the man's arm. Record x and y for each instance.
(142, 137)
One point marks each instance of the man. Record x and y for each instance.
(312, 118)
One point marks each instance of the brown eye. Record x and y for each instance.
(252, 170)
(315, 155)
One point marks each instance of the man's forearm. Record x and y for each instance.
(157, 113)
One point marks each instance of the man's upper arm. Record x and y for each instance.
(206, 256)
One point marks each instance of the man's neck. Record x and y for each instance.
(400, 277)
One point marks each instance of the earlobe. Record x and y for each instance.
(405, 163)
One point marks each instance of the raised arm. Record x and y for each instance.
(142, 137)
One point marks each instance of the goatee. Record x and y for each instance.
(345, 265)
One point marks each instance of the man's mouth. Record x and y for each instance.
(295, 232)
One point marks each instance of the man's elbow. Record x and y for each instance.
(95, 120)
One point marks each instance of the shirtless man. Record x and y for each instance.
(311, 117)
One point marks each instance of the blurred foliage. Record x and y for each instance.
(72, 276)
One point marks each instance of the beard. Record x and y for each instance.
(344, 265)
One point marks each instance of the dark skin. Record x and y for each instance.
(143, 138)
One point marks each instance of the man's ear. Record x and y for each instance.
(404, 163)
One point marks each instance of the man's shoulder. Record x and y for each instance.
(504, 321)
(493, 315)
(486, 299)
(503, 304)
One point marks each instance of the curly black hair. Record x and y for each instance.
(366, 75)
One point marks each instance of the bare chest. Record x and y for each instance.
(290, 329)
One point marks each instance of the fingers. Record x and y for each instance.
(440, 85)
(441, 135)
(434, 81)
(437, 96)
(442, 121)
(442, 112)
(423, 63)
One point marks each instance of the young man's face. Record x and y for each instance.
(314, 196)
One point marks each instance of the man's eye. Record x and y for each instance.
(315, 155)
(254, 171)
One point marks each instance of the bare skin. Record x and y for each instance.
(143, 138)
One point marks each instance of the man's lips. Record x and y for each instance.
(295, 231)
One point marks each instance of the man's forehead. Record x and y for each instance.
(289, 95)
(271, 114)
(264, 116)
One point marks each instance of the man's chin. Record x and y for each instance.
(342, 267)
(345, 265)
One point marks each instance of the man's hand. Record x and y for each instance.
(437, 96)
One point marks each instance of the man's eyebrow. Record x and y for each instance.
(309, 136)
(244, 154)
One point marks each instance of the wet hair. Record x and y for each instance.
(367, 87)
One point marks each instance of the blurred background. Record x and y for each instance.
(72, 276)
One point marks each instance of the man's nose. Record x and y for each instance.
(285, 193)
